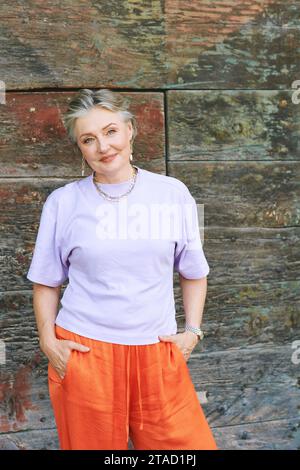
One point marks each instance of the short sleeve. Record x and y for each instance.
(189, 258)
(47, 266)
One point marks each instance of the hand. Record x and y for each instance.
(185, 341)
(59, 351)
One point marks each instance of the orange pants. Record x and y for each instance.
(115, 391)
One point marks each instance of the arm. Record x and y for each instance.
(193, 296)
(45, 303)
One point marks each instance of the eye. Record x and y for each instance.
(111, 130)
(85, 141)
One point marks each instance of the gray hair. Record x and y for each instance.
(87, 99)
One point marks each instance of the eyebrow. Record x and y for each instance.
(88, 133)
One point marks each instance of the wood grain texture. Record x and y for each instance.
(265, 435)
(232, 44)
(34, 142)
(238, 153)
(242, 315)
(244, 195)
(24, 403)
(40, 439)
(256, 381)
(210, 85)
(158, 44)
(231, 125)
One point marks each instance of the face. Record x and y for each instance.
(102, 133)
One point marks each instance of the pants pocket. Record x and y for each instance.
(53, 375)
(178, 352)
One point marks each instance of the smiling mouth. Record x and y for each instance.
(108, 158)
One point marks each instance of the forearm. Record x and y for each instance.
(193, 296)
(45, 305)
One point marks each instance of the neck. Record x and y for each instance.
(101, 178)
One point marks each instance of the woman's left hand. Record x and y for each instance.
(185, 341)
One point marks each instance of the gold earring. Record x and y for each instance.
(131, 158)
(82, 166)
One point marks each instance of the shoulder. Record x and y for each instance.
(167, 183)
(62, 196)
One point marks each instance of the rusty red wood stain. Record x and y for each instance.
(15, 396)
(37, 116)
(152, 115)
(213, 23)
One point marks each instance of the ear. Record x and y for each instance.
(130, 127)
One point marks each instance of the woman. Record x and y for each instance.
(116, 366)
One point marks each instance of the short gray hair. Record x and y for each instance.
(87, 99)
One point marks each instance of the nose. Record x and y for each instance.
(101, 146)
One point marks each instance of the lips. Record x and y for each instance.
(108, 158)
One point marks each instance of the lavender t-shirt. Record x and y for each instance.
(119, 257)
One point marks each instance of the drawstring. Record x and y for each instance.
(127, 395)
(139, 386)
(127, 390)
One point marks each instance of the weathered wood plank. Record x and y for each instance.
(243, 371)
(236, 256)
(230, 44)
(43, 439)
(243, 385)
(240, 316)
(34, 142)
(255, 375)
(256, 383)
(251, 314)
(243, 315)
(244, 194)
(233, 125)
(158, 44)
(24, 402)
(271, 188)
(267, 435)
(270, 435)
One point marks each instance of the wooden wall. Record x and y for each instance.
(211, 86)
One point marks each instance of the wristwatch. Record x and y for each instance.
(198, 331)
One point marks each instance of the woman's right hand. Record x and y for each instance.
(59, 351)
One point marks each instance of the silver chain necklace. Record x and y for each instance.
(116, 198)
